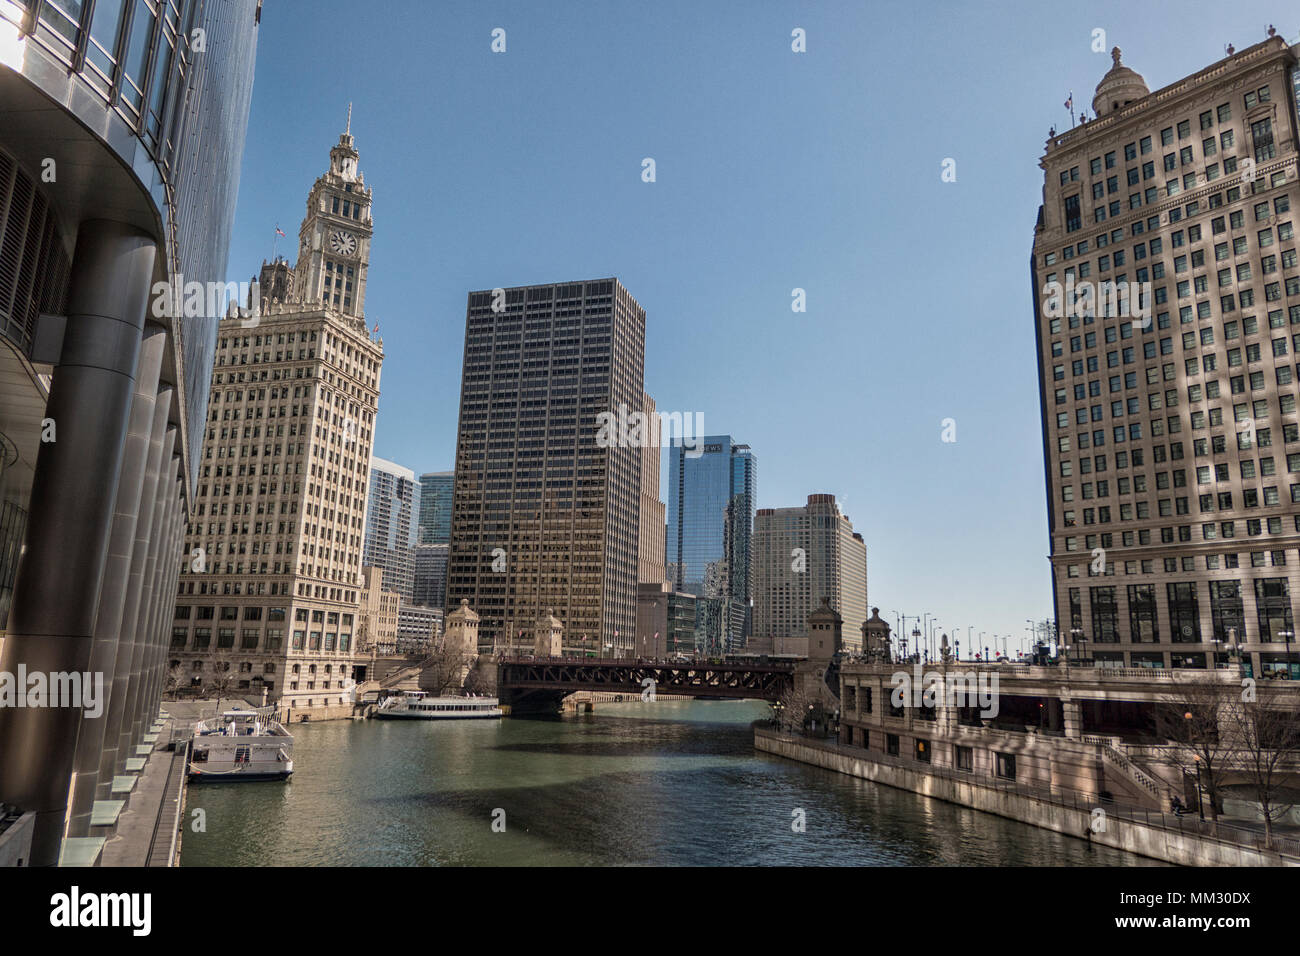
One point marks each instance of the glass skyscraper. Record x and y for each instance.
(435, 506)
(390, 525)
(144, 105)
(710, 524)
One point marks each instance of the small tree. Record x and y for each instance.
(1189, 717)
(174, 678)
(223, 678)
(480, 681)
(1267, 735)
(803, 703)
(445, 668)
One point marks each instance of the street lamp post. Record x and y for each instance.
(1200, 799)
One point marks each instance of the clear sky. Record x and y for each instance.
(775, 170)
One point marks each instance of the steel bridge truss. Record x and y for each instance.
(768, 681)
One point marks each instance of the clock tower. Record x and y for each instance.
(334, 239)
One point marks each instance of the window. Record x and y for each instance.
(964, 759)
(1226, 610)
(1184, 614)
(1142, 613)
(1273, 602)
(1006, 766)
(1105, 615)
(1073, 214)
(922, 750)
(891, 744)
(1261, 134)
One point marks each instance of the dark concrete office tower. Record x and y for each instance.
(1170, 430)
(543, 515)
(120, 145)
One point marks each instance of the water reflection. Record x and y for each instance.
(669, 783)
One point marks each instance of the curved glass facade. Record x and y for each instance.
(710, 524)
(176, 76)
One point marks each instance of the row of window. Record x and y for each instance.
(1273, 616)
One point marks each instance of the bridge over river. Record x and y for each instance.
(537, 685)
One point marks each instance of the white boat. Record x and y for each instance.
(417, 705)
(240, 745)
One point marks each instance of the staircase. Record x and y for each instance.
(1131, 771)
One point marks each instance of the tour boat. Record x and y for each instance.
(417, 705)
(240, 745)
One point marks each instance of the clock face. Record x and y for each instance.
(343, 243)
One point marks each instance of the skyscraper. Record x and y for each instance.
(431, 574)
(280, 518)
(435, 506)
(390, 525)
(650, 546)
(117, 171)
(1170, 435)
(710, 522)
(802, 555)
(544, 515)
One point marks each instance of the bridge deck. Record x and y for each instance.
(713, 678)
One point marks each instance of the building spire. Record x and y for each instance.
(349, 129)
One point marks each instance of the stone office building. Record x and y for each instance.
(802, 556)
(275, 588)
(1170, 431)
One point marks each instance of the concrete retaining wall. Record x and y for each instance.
(16, 841)
(1171, 846)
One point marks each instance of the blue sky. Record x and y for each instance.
(775, 170)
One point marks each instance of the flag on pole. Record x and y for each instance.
(279, 231)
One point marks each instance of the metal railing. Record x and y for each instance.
(1130, 769)
(1230, 834)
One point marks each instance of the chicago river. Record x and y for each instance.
(670, 783)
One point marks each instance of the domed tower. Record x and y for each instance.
(461, 631)
(548, 635)
(875, 638)
(1118, 88)
(334, 238)
(825, 638)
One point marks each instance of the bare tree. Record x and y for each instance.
(175, 675)
(445, 668)
(223, 677)
(1267, 736)
(1189, 717)
(804, 703)
(480, 681)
